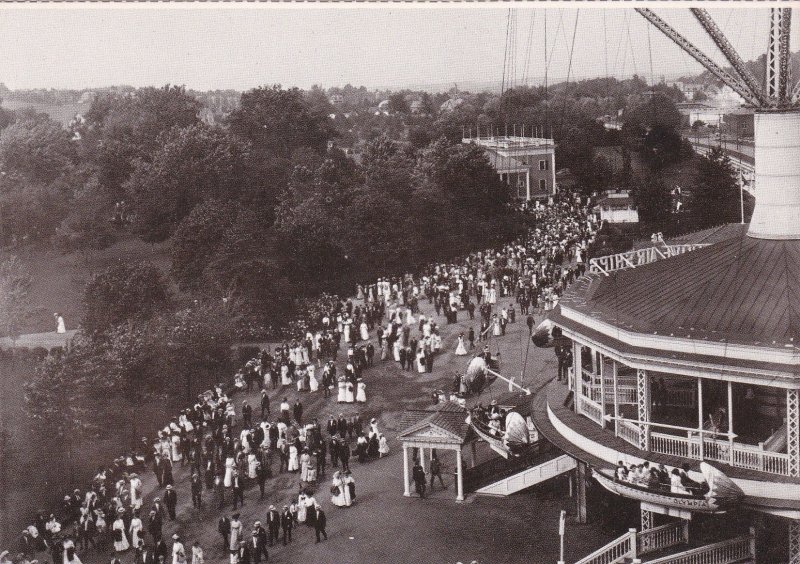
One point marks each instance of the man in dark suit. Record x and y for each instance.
(243, 553)
(320, 523)
(171, 501)
(160, 549)
(344, 455)
(146, 555)
(224, 528)
(197, 491)
(287, 522)
(273, 524)
(332, 427)
(154, 524)
(402, 358)
(341, 425)
(238, 489)
(257, 548)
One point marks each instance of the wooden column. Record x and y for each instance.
(473, 455)
(793, 431)
(580, 488)
(602, 391)
(616, 396)
(643, 401)
(576, 368)
(794, 542)
(700, 417)
(460, 476)
(730, 420)
(422, 457)
(406, 477)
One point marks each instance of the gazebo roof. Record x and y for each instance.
(448, 417)
(740, 290)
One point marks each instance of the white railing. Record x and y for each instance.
(665, 536)
(590, 409)
(672, 445)
(738, 455)
(725, 552)
(629, 431)
(638, 257)
(633, 544)
(617, 550)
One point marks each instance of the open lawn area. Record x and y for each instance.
(59, 279)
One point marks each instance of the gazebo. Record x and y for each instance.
(439, 427)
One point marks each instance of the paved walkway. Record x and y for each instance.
(50, 340)
(383, 525)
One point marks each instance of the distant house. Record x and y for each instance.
(616, 207)
(336, 99)
(451, 104)
(416, 106)
(383, 108)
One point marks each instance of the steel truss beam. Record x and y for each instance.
(738, 86)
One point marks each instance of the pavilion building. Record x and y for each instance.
(526, 164)
(688, 353)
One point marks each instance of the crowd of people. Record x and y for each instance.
(659, 478)
(228, 451)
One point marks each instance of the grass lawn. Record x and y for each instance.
(59, 279)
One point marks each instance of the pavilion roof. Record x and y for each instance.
(448, 416)
(740, 290)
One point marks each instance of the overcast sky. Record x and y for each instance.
(242, 46)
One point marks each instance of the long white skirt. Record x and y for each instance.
(313, 385)
(361, 395)
(342, 392)
(461, 350)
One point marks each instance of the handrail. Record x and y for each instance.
(496, 469)
(615, 551)
(665, 536)
(725, 552)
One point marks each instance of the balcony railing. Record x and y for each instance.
(639, 257)
(629, 431)
(738, 455)
(590, 409)
(726, 552)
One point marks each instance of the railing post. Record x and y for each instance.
(753, 543)
(685, 531)
(634, 548)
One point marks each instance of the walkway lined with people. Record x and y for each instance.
(302, 411)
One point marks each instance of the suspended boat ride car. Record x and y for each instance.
(477, 376)
(722, 494)
(548, 335)
(511, 442)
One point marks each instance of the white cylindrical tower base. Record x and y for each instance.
(777, 178)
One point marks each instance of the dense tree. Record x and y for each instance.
(125, 291)
(197, 239)
(398, 104)
(193, 164)
(15, 302)
(88, 223)
(36, 148)
(653, 200)
(715, 195)
(121, 128)
(278, 121)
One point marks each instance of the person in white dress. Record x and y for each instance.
(364, 331)
(421, 361)
(461, 349)
(70, 554)
(136, 529)
(197, 554)
(60, 325)
(230, 465)
(178, 552)
(383, 446)
(361, 395)
(342, 396)
(294, 462)
(175, 441)
(340, 494)
(349, 396)
(286, 380)
(313, 384)
(496, 330)
(118, 530)
(302, 508)
(136, 492)
(252, 466)
(396, 350)
(373, 427)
